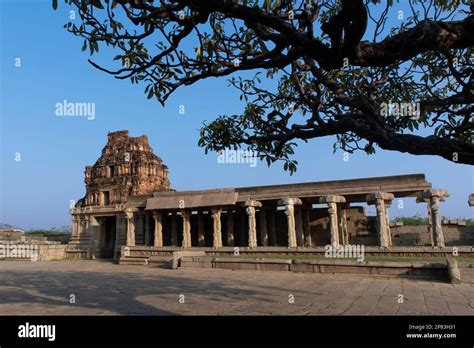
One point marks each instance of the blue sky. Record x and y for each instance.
(36, 191)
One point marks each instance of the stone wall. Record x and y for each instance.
(48, 252)
(454, 234)
(63, 239)
(361, 228)
(11, 235)
(18, 236)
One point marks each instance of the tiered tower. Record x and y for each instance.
(127, 167)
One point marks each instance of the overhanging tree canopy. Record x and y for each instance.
(354, 69)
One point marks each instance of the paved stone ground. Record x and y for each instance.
(100, 288)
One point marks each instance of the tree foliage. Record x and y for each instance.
(305, 69)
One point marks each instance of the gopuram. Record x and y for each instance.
(129, 204)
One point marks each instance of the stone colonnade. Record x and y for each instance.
(297, 220)
(296, 211)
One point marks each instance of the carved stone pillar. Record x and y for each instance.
(250, 209)
(201, 232)
(387, 218)
(158, 216)
(421, 199)
(129, 217)
(345, 229)
(434, 198)
(307, 227)
(332, 201)
(186, 216)
(86, 226)
(217, 228)
(430, 223)
(289, 204)
(75, 228)
(382, 201)
(230, 227)
(340, 227)
(299, 225)
(263, 227)
(83, 228)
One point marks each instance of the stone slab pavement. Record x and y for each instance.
(80, 287)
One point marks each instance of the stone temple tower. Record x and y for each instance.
(127, 167)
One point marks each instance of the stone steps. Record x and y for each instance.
(163, 262)
(138, 261)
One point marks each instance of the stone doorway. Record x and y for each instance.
(107, 238)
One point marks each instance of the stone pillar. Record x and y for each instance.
(230, 227)
(271, 227)
(430, 223)
(217, 228)
(306, 227)
(420, 199)
(130, 228)
(340, 227)
(289, 204)
(345, 229)
(434, 198)
(174, 229)
(250, 209)
(382, 201)
(147, 229)
(299, 225)
(82, 228)
(86, 226)
(75, 228)
(387, 218)
(332, 201)
(158, 216)
(186, 216)
(201, 232)
(263, 227)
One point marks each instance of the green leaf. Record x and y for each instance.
(55, 4)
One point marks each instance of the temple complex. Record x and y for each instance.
(129, 204)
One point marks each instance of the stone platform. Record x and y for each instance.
(422, 270)
(105, 288)
(395, 251)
